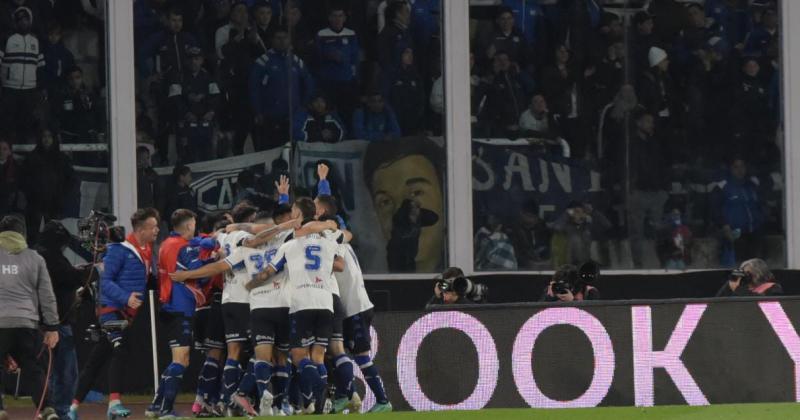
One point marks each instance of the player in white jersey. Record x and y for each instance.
(310, 261)
(358, 312)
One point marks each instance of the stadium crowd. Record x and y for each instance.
(675, 104)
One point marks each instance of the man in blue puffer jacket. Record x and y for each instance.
(740, 214)
(126, 268)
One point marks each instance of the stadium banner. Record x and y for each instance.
(371, 181)
(599, 354)
(506, 173)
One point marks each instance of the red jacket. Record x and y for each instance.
(167, 263)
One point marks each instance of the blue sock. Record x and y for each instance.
(230, 378)
(319, 388)
(372, 377)
(280, 382)
(343, 376)
(263, 374)
(293, 389)
(309, 380)
(247, 385)
(158, 399)
(208, 380)
(172, 384)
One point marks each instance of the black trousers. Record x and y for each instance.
(104, 352)
(25, 345)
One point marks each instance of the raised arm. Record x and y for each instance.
(207, 270)
(315, 227)
(266, 235)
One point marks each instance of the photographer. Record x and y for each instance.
(66, 280)
(126, 268)
(25, 293)
(569, 283)
(752, 278)
(452, 287)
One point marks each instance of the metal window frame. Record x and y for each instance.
(121, 87)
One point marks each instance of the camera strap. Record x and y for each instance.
(763, 287)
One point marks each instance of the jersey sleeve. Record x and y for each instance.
(279, 260)
(236, 257)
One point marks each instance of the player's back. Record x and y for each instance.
(309, 262)
(235, 279)
(351, 283)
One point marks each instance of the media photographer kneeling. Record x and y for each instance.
(452, 287)
(570, 283)
(752, 278)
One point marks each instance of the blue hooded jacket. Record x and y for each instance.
(342, 44)
(739, 205)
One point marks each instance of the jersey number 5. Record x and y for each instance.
(313, 261)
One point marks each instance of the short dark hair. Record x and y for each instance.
(264, 214)
(392, 9)
(452, 272)
(73, 69)
(242, 212)
(181, 216)
(281, 210)
(180, 170)
(329, 204)
(222, 223)
(13, 223)
(141, 215)
(307, 207)
(382, 154)
(503, 10)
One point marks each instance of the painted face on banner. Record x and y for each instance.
(412, 177)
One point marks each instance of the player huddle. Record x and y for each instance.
(287, 291)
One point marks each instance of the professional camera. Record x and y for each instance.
(588, 273)
(444, 285)
(465, 287)
(94, 332)
(565, 281)
(97, 230)
(741, 275)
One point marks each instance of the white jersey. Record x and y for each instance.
(351, 283)
(273, 293)
(237, 277)
(309, 261)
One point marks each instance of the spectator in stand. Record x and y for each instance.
(179, 193)
(425, 33)
(196, 99)
(301, 33)
(437, 91)
(657, 91)
(504, 37)
(574, 231)
(376, 121)
(47, 177)
(146, 179)
(760, 39)
(274, 87)
(319, 124)
(405, 92)
(731, 15)
(163, 58)
(646, 170)
(395, 36)
(699, 29)
(502, 97)
(739, 212)
(610, 74)
(240, 52)
(538, 123)
(238, 26)
(529, 18)
(707, 81)
(21, 64)
(79, 112)
(579, 21)
(57, 58)
(563, 84)
(337, 60)
(675, 246)
(530, 237)
(753, 278)
(642, 39)
(749, 114)
(493, 247)
(9, 179)
(265, 24)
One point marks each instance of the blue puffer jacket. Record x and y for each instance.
(123, 273)
(739, 205)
